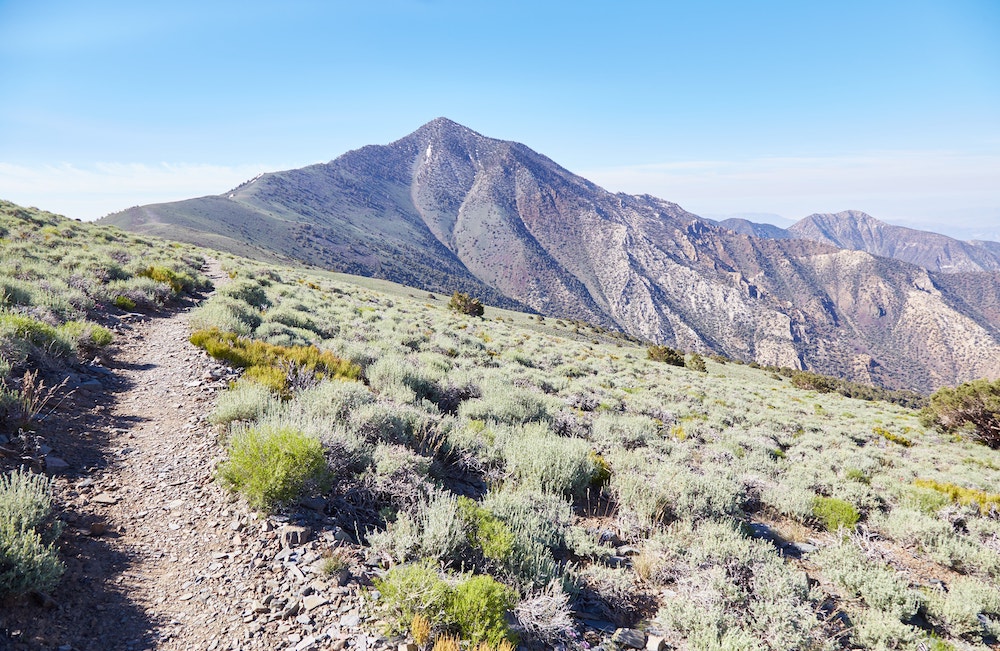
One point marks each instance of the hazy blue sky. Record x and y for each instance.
(765, 107)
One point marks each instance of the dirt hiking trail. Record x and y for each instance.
(157, 555)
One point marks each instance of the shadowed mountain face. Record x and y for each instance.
(446, 208)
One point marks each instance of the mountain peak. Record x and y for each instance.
(443, 127)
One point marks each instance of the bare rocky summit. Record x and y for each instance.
(446, 208)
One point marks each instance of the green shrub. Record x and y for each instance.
(813, 381)
(475, 606)
(834, 513)
(124, 303)
(478, 607)
(485, 531)
(463, 304)
(88, 338)
(889, 436)
(975, 405)
(272, 466)
(28, 558)
(413, 589)
(178, 281)
(39, 334)
(270, 364)
(665, 354)
(987, 502)
(696, 362)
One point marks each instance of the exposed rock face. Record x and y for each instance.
(853, 229)
(446, 208)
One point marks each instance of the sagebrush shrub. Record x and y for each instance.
(554, 464)
(28, 557)
(968, 609)
(879, 585)
(246, 401)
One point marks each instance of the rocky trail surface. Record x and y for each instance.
(157, 555)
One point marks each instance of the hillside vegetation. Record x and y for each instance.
(63, 285)
(727, 508)
(525, 480)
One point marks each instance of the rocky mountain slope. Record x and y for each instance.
(447, 208)
(858, 231)
(855, 230)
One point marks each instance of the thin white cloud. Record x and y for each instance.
(94, 191)
(922, 188)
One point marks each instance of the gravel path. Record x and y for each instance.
(158, 556)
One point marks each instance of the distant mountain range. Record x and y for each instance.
(446, 208)
(857, 231)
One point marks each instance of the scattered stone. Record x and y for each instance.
(307, 643)
(176, 504)
(104, 498)
(655, 643)
(187, 596)
(314, 601)
(293, 536)
(55, 464)
(313, 503)
(290, 610)
(340, 535)
(350, 620)
(629, 637)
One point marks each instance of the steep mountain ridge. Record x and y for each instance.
(447, 208)
(858, 231)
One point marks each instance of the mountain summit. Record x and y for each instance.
(446, 208)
